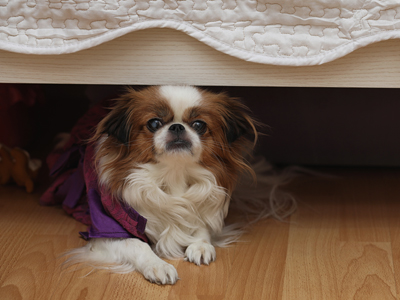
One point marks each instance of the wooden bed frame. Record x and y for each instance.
(165, 56)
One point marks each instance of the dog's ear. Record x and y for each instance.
(237, 127)
(238, 122)
(116, 124)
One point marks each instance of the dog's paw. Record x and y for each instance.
(200, 253)
(161, 273)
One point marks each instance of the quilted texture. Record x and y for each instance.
(282, 32)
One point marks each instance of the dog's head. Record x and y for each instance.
(177, 125)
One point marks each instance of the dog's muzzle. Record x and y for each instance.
(178, 138)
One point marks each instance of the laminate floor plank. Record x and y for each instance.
(257, 271)
(342, 243)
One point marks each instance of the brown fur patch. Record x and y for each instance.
(138, 107)
(225, 160)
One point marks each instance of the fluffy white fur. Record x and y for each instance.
(183, 206)
(180, 98)
(181, 200)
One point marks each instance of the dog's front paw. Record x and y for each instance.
(200, 253)
(161, 273)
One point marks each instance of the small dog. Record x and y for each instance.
(174, 154)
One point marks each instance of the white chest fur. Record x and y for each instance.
(176, 200)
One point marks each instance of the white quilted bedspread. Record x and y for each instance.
(283, 32)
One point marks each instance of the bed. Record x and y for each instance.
(214, 42)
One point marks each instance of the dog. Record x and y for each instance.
(175, 154)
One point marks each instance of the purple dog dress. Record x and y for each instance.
(77, 189)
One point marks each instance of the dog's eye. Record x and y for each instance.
(154, 124)
(199, 126)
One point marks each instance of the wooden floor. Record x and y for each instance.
(343, 243)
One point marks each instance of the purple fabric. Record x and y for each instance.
(77, 183)
(102, 224)
(68, 188)
(67, 159)
(119, 213)
(76, 187)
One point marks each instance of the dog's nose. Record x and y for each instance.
(177, 128)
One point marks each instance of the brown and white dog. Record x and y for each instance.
(174, 154)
